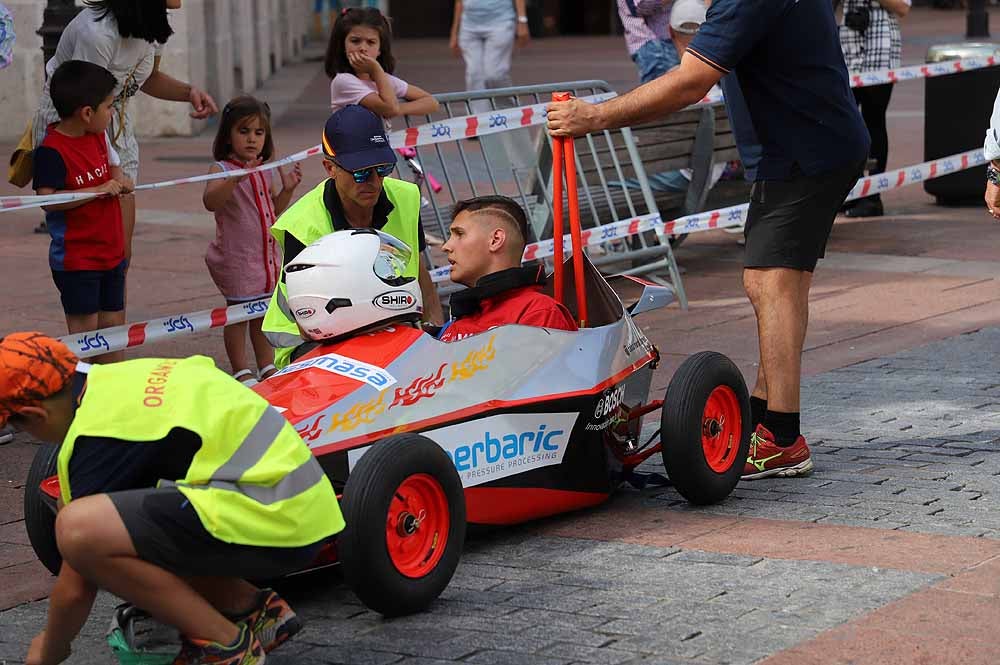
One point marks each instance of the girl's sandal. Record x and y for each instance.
(266, 372)
(243, 373)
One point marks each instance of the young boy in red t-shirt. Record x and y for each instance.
(87, 252)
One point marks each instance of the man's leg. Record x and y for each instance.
(780, 297)
(498, 48)
(473, 45)
(94, 541)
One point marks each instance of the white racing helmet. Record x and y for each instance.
(349, 282)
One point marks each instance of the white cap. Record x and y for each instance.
(687, 15)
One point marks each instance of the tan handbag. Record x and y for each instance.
(22, 163)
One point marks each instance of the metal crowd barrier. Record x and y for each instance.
(517, 163)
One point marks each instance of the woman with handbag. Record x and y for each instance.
(125, 37)
(870, 38)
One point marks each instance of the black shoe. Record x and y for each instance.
(42, 227)
(867, 207)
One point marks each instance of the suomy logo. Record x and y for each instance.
(394, 300)
(304, 312)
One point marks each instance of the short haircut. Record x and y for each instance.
(336, 51)
(76, 84)
(142, 19)
(502, 207)
(235, 113)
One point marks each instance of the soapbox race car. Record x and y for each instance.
(421, 437)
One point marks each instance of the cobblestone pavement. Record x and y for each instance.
(909, 442)
(899, 519)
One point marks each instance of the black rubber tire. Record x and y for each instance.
(681, 427)
(39, 520)
(368, 569)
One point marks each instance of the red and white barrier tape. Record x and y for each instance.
(498, 121)
(11, 203)
(106, 340)
(452, 129)
(736, 215)
(882, 76)
(136, 334)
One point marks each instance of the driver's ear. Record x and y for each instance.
(498, 239)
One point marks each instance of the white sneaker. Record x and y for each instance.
(6, 435)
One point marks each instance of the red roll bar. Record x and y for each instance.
(564, 162)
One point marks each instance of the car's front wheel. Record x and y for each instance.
(405, 512)
(705, 424)
(39, 517)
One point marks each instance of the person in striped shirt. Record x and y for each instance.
(647, 37)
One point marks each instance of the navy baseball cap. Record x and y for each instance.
(355, 138)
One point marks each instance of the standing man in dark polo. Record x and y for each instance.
(789, 65)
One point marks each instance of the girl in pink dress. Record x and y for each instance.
(244, 259)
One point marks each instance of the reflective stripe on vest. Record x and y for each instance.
(308, 220)
(252, 480)
(282, 341)
(298, 481)
(251, 452)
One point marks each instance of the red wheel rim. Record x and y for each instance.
(416, 531)
(721, 429)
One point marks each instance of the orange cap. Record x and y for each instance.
(33, 367)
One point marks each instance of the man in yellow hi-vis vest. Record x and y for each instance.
(178, 484)
(358, 194)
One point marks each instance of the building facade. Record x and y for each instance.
(223, 46)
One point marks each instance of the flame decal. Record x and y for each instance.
(362, 413)
(422, 387)
(474, 363)
(312, 432)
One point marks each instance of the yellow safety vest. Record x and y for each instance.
(308, 221)
(253, 481)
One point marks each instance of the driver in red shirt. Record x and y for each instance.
(488, 234)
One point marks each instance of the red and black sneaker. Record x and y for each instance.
(273, 622)
(766, 458)
(246, 651)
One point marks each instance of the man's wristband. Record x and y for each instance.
(992, 175)
(522, 19)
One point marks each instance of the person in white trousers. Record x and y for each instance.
(483, 33)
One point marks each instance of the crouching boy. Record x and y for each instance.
(178, 484)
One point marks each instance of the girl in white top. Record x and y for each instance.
(125, 37)
(360, 62)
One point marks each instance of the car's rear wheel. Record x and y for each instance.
(405, 512)
(39, 518)
(705, 427)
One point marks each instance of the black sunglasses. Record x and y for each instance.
(364, 175)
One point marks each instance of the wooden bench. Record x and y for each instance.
(695, 139)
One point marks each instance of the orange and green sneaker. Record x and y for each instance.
(767, 459)
(246, 651)
(273, 622)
